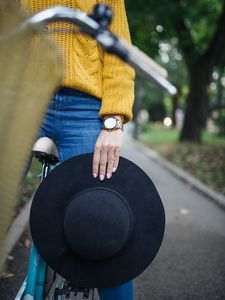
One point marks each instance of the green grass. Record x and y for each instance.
(160, 135)
(206, 161)
(172, 135)
(213, 138)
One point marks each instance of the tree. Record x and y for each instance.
(199, 26)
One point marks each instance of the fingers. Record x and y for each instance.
(116, 159)
(103, 162)
(110, 163)
(106, 154)
(96, 160)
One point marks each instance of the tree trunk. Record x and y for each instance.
(175, 101)
(197, 104)
(199, 68)
(137, 106)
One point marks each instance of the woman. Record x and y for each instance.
(96, 96)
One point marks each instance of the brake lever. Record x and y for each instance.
(102, 14)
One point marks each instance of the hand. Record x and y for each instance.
(106, 153)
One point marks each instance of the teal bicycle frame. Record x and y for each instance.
(34, 284)
(35, 280)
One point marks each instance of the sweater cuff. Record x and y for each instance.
(118, 101)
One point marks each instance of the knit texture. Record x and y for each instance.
(86, 66)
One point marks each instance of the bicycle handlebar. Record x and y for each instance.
(108, 41)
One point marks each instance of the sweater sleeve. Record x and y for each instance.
(118, 77)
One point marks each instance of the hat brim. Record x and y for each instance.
(47, 216)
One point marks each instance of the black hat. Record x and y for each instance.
(97, 233)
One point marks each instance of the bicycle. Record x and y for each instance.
(42, 282)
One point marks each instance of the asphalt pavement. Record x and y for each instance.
(191, 260)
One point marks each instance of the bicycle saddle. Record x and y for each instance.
(45, 150)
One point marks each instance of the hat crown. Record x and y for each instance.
(55, 238)
(97, 223)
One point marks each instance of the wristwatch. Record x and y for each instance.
(112, 123)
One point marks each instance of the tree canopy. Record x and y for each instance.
(197, 29)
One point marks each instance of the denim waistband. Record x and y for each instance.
(67, 91)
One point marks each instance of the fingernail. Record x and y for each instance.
(108, 175)
(101, 177)
(94, 175)
(114, 170)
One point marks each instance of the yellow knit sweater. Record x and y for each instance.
(86, 66)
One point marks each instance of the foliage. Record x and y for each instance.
(153, 102)
(144, 127)
(195, 14)
(220, 122)
(154, 99)
(205, 161)
(199, 47)
(157, 111)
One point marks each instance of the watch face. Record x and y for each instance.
(110, 123)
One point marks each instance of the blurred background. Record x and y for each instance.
(188, 39)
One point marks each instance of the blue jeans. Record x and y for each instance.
(73, 122)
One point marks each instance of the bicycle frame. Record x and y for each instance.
(36, 276)
(33, 285)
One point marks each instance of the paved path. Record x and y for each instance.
(191, 261)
